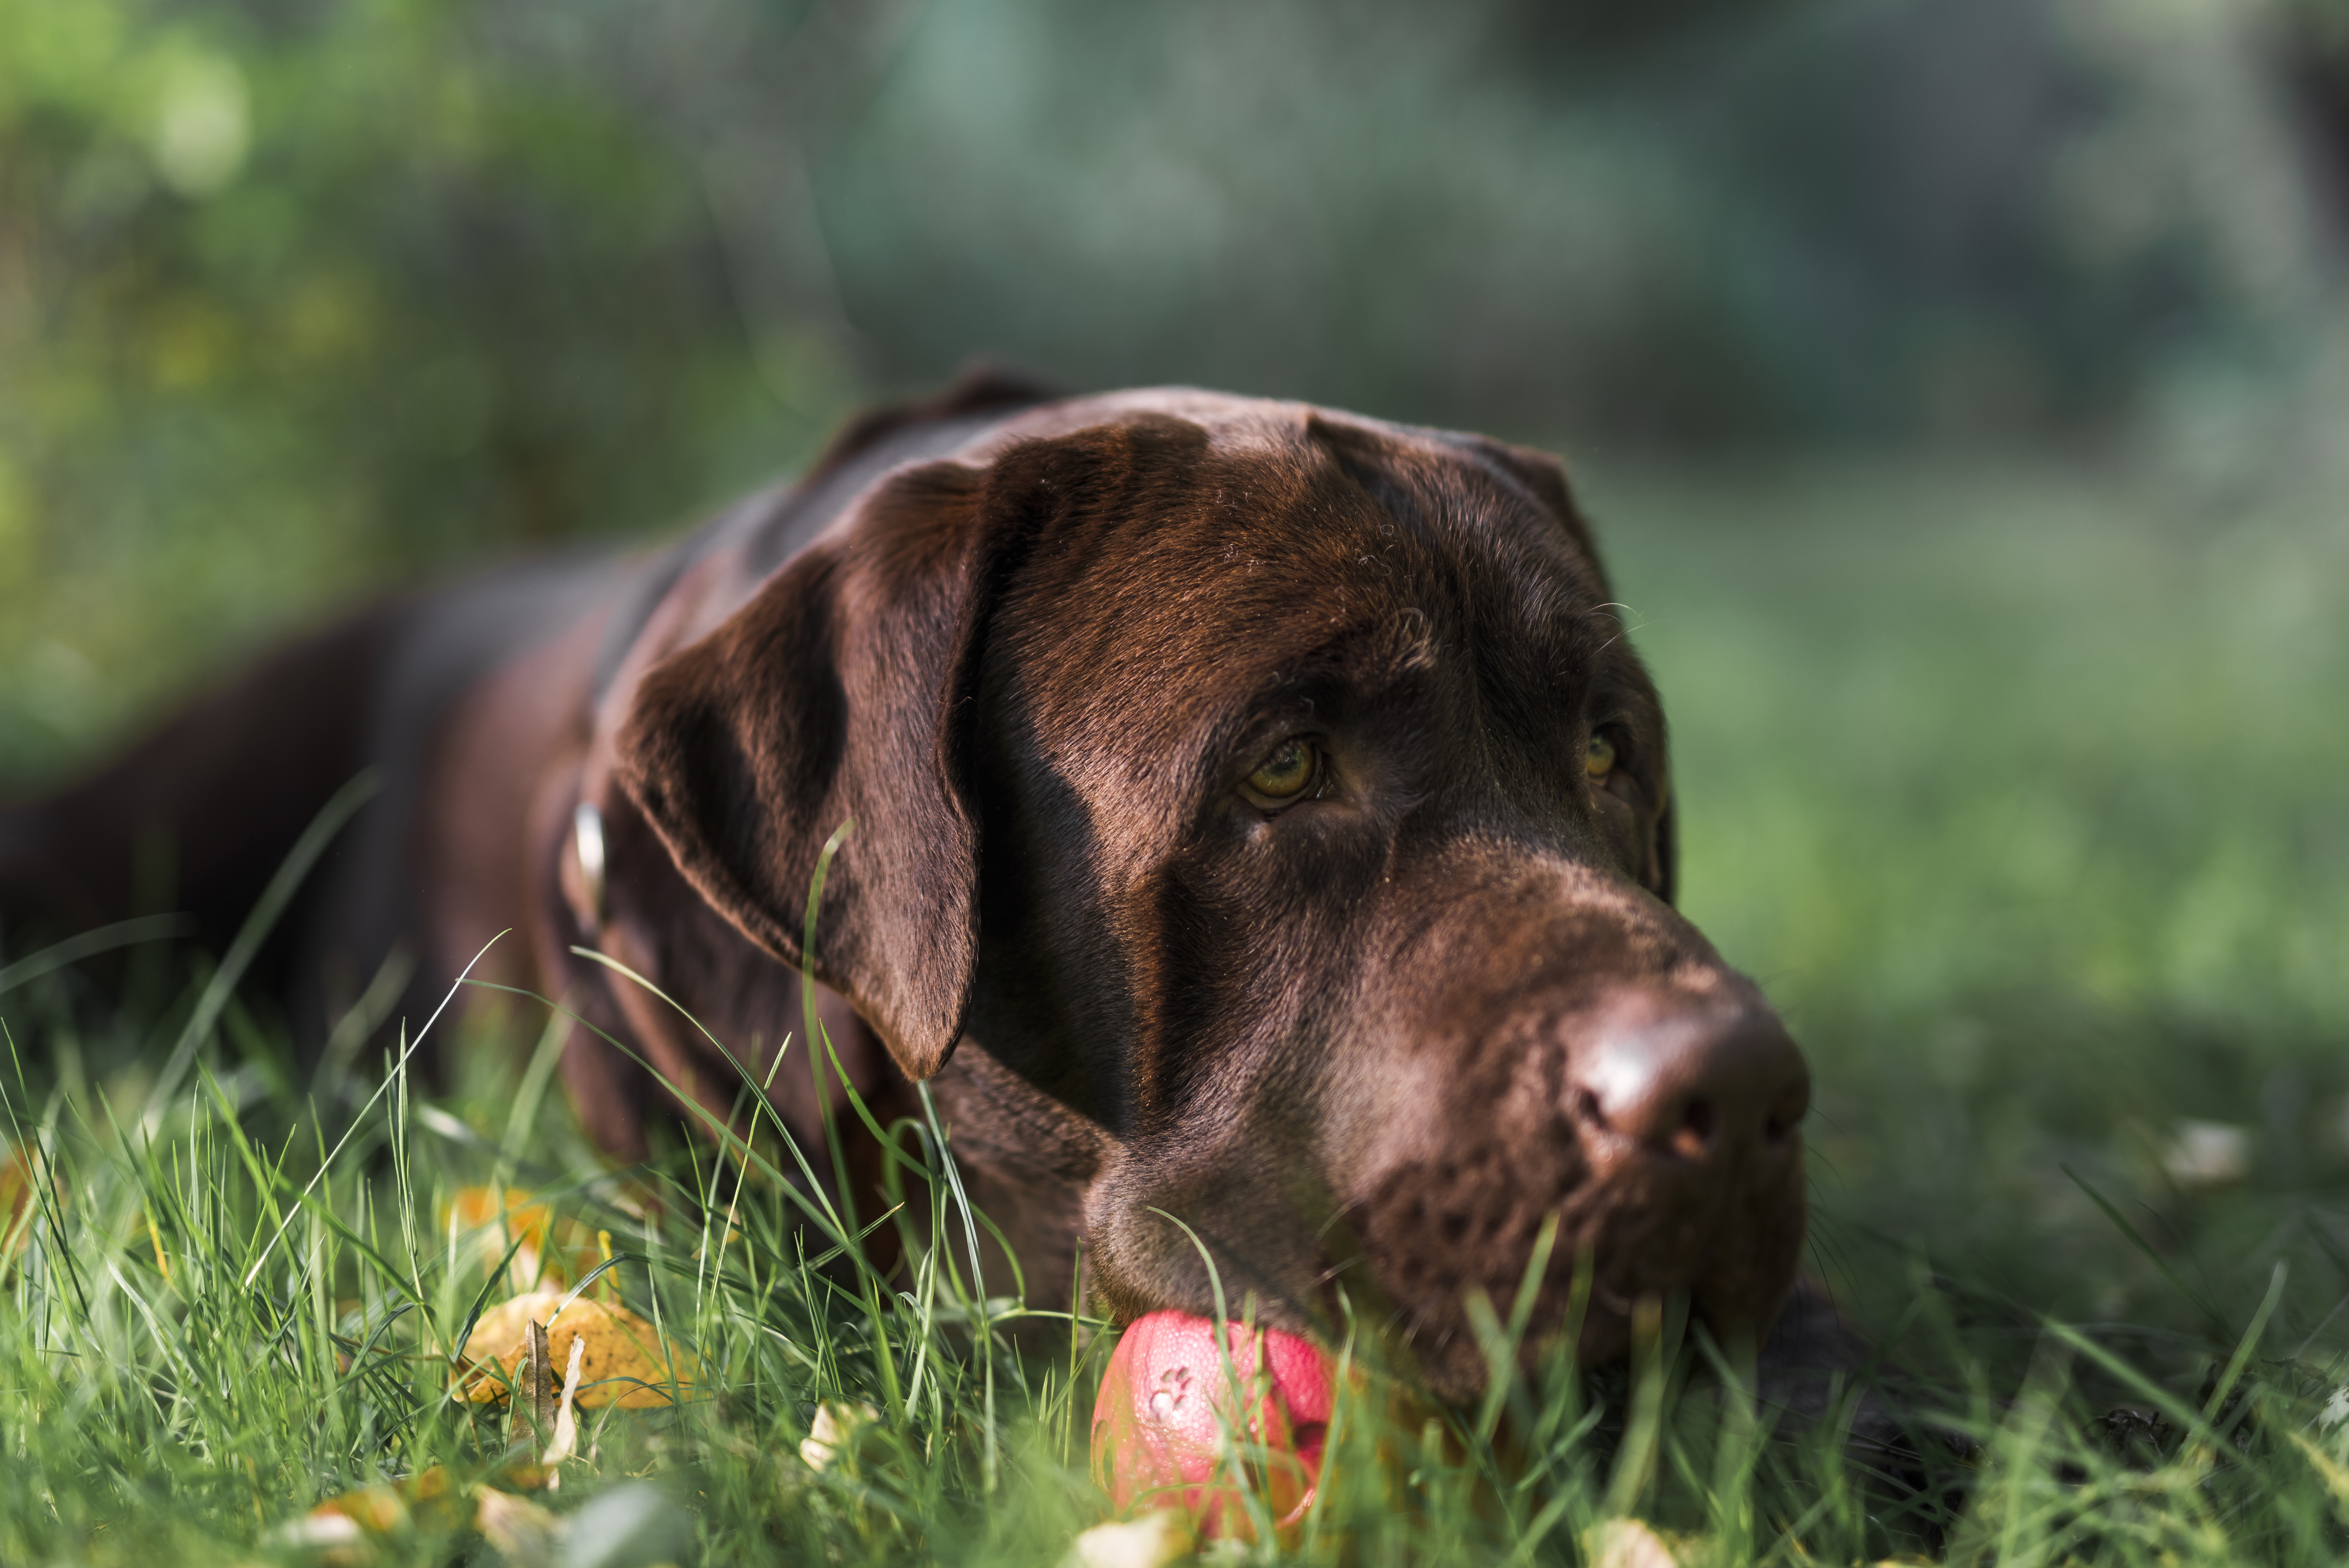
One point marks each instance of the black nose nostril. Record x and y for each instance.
(1693, 1137)
(1786, 1116)
(1698, 1086)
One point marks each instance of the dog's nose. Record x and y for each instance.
(1691, 1082)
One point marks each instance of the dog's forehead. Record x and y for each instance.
(1230, 424)
(1238, 543)
(1237, 430)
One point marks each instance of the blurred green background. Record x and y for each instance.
(1959, 384)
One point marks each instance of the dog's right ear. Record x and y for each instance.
(846, 688)
(830, 697)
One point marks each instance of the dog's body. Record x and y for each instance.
(1265, 800)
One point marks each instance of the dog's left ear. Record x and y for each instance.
(832, 697)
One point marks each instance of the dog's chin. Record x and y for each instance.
(1433, 1343)
(1446, 1362)
(1618, 1276)
(1438, 1346)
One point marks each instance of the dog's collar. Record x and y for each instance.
(587, 845)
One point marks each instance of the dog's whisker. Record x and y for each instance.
(1337, 1216)
(1329, 1276)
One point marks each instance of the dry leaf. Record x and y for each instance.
(1151, 1542)
(623, 1364)
(340, 1528)
(566, 1423)
(535, 1386)
(336, 1538)
(2208, 1154)
(1628, 1543)
(834, 1432)
(20, 1195)
(560, 1245)
(523, 1533)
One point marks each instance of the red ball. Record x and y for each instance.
(1167, 1401)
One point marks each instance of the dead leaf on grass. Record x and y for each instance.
(523, 1532)
(561, 1246)
(623, 1363)
(344, 1528)
(20, 1184)
(1152, 1541)
(837, 1429)
(1628, 1543)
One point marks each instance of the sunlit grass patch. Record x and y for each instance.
(217, 1320)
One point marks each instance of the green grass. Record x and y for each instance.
(2021, 790)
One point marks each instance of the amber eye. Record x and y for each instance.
(1599, 758)
(1287, 774)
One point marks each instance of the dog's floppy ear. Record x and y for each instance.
(832, 697)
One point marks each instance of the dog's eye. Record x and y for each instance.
(1599, 757)
(1287, 774)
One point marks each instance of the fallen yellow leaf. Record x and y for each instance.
(339, 1529)
(835, 1432)
(20, 1176)
(553, 1249)
(1152, 1541)
(519, 1529)
(622, 1365)
(1628, 1544)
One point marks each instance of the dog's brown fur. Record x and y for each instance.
(1371, 1041)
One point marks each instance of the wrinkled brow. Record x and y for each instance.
(1358, 664)
(1368, 656)
(1526, 598)
(1532, 669)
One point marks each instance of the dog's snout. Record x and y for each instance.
(1689, 1084)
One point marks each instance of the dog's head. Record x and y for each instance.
(1273, 799)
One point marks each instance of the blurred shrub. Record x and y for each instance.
(300, 296)
(294, 299)
(1838, 220)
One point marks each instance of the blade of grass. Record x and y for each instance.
(2217, 1319)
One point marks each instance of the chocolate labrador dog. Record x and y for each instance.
(1243, 810)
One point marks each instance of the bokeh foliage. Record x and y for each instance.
(301, 298)
(295, 300)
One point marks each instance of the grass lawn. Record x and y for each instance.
(2023, 790)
